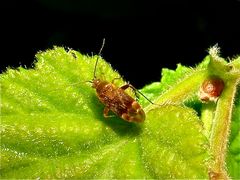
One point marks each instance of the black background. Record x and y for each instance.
(141, 36)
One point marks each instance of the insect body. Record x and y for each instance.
(117, 100)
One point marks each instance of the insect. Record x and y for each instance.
(211, 89)
(116, 99)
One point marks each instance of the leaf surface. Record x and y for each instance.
(170, 81)
(52, 126)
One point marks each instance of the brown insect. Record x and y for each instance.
(211, 89)
(116, 99)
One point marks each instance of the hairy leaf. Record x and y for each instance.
(171, 81)
(52, 126)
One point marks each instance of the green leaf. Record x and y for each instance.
(180, 150)
(169, 78)
(52, 126)
(173, 82)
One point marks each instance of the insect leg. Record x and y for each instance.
(124, 87)
(105, 112)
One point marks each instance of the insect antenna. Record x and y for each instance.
(99, 54)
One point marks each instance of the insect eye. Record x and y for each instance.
(211, 89)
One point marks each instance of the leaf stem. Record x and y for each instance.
(207, 115)
(220, 130)
(180, 92)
